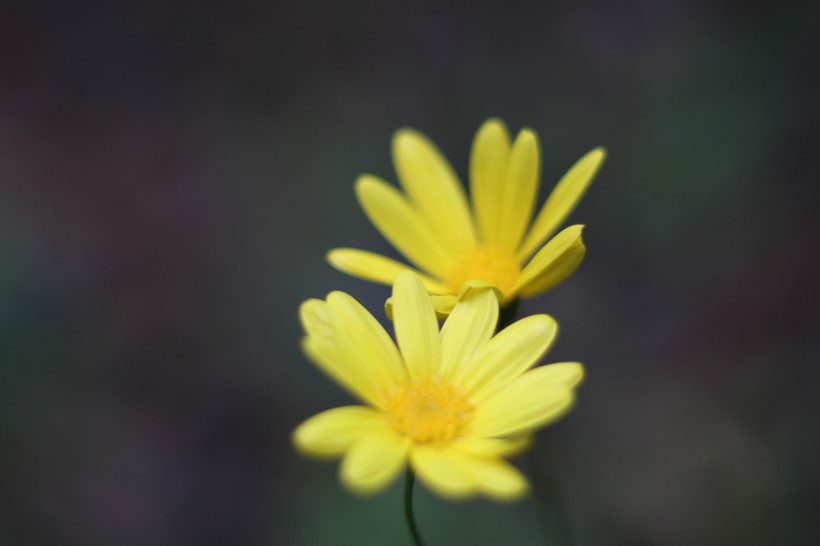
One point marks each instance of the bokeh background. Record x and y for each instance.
(172, 173)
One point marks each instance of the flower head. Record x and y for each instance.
(491, 239)
(451, 403)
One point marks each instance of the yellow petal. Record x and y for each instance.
(496, 478)
(443, 471)
(416, 326)
(375, 267)
(443, 305)
(488, 167)
(568, 374)
(469, 327)
(434, 188)
(344, 342)
(531, 401)
(474, 286)
(493, 447)
(520, 189)
(332, 432)
(509, 354)
(555, 262)
(562, 200)
(373, 462)
(315, 316)
(370, 339)
(402, 225)
(340, 365)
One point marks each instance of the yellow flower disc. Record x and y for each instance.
(427, 410)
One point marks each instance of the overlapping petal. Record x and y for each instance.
(562, 200)
(373, 461)
(488, 167)
(443, 470)
(370, 340)
(495, 478)
(469, 327)
(457, 475)
(339, 366)
(443, 306)
(511, 352)
(568, 374)
(553, 263)
(416, 327)
(375, 267)
(519, 190)
(492, 447)
(333, 432)
(530, 401)
(434, 188)
(402, 225)
(350, 346)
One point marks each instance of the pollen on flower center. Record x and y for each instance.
(493, 264)
(428, 410)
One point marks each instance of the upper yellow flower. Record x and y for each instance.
(452, 402)
(436, 229)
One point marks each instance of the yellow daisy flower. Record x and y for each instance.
(451, 241)
(451, 403)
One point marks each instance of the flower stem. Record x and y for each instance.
(409, 480)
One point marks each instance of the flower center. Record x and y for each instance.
(493, 264)
(428, 410)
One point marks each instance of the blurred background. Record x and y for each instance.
(172, 173)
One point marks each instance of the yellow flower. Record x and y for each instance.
(449, 241)
(452, 403)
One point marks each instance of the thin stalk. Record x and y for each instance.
(409, 480)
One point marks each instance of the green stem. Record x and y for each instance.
(409, 480)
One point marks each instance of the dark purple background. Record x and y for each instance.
(172, 175)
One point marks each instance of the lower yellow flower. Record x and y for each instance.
(451, 403)
(492, 236)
